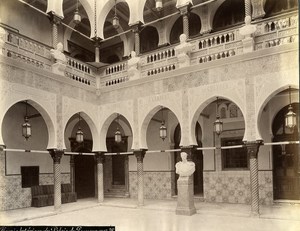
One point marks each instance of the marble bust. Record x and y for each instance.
(248, 29)
(183, 51)
(58, 54)
(133, 63)
(185, 168)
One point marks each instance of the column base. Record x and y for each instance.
(185, 211)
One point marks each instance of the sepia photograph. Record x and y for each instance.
(139, 115)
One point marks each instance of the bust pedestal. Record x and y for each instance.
(185, 197)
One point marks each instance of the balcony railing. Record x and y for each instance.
(36, 54)
(274, 31)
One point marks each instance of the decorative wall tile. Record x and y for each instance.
(234, 187)
(157, 185)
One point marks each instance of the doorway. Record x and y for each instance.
(118, 161)
(84, 169)
(286, 158)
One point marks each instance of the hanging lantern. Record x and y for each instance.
(218, 124)
(163, 131)
(77, 17)
(118, 136)
(116, 22)
(79, 136)
(79, 133)
(158, 5)
(290, 117)
(26, 127)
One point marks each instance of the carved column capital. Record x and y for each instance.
(56, 155)
(253, 148)
(55, 19)
(185, 10)
(136, 27)
(99, 157)
(139, 154)
(2, 147)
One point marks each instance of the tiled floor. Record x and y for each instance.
(158, 215)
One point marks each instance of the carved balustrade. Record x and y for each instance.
(276, 31)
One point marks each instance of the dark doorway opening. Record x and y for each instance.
(118, 161)
(286, 158)
(84, 169)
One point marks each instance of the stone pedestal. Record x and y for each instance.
(59, 68)
(185, 198)
(248, 45)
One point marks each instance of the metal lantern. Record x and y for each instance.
(79, 136)
(26, 127)
(158, 5)
(118, 136)
(163, 131)
(79, 133)
(77, 17)
(116, 22)
(290, 117)
(218, 124)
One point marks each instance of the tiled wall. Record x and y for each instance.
(234, 187)
(13, 196)
(157, 185)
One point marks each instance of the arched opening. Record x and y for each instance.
(84, 165)
(79, 46)
(116, 167)
(114, 48)
(286, 157)
(273, 7)
(148, 44)
(230, 13)
(197, 159)
(177, 29)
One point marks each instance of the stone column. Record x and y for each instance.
(184, 11)
(100, 185)
(136, 30)
(247, 8)
(97, 48)
(252, 149)
(140, 154)
(55, 20)
(56, 155)
(72, 173)
(126, 167)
